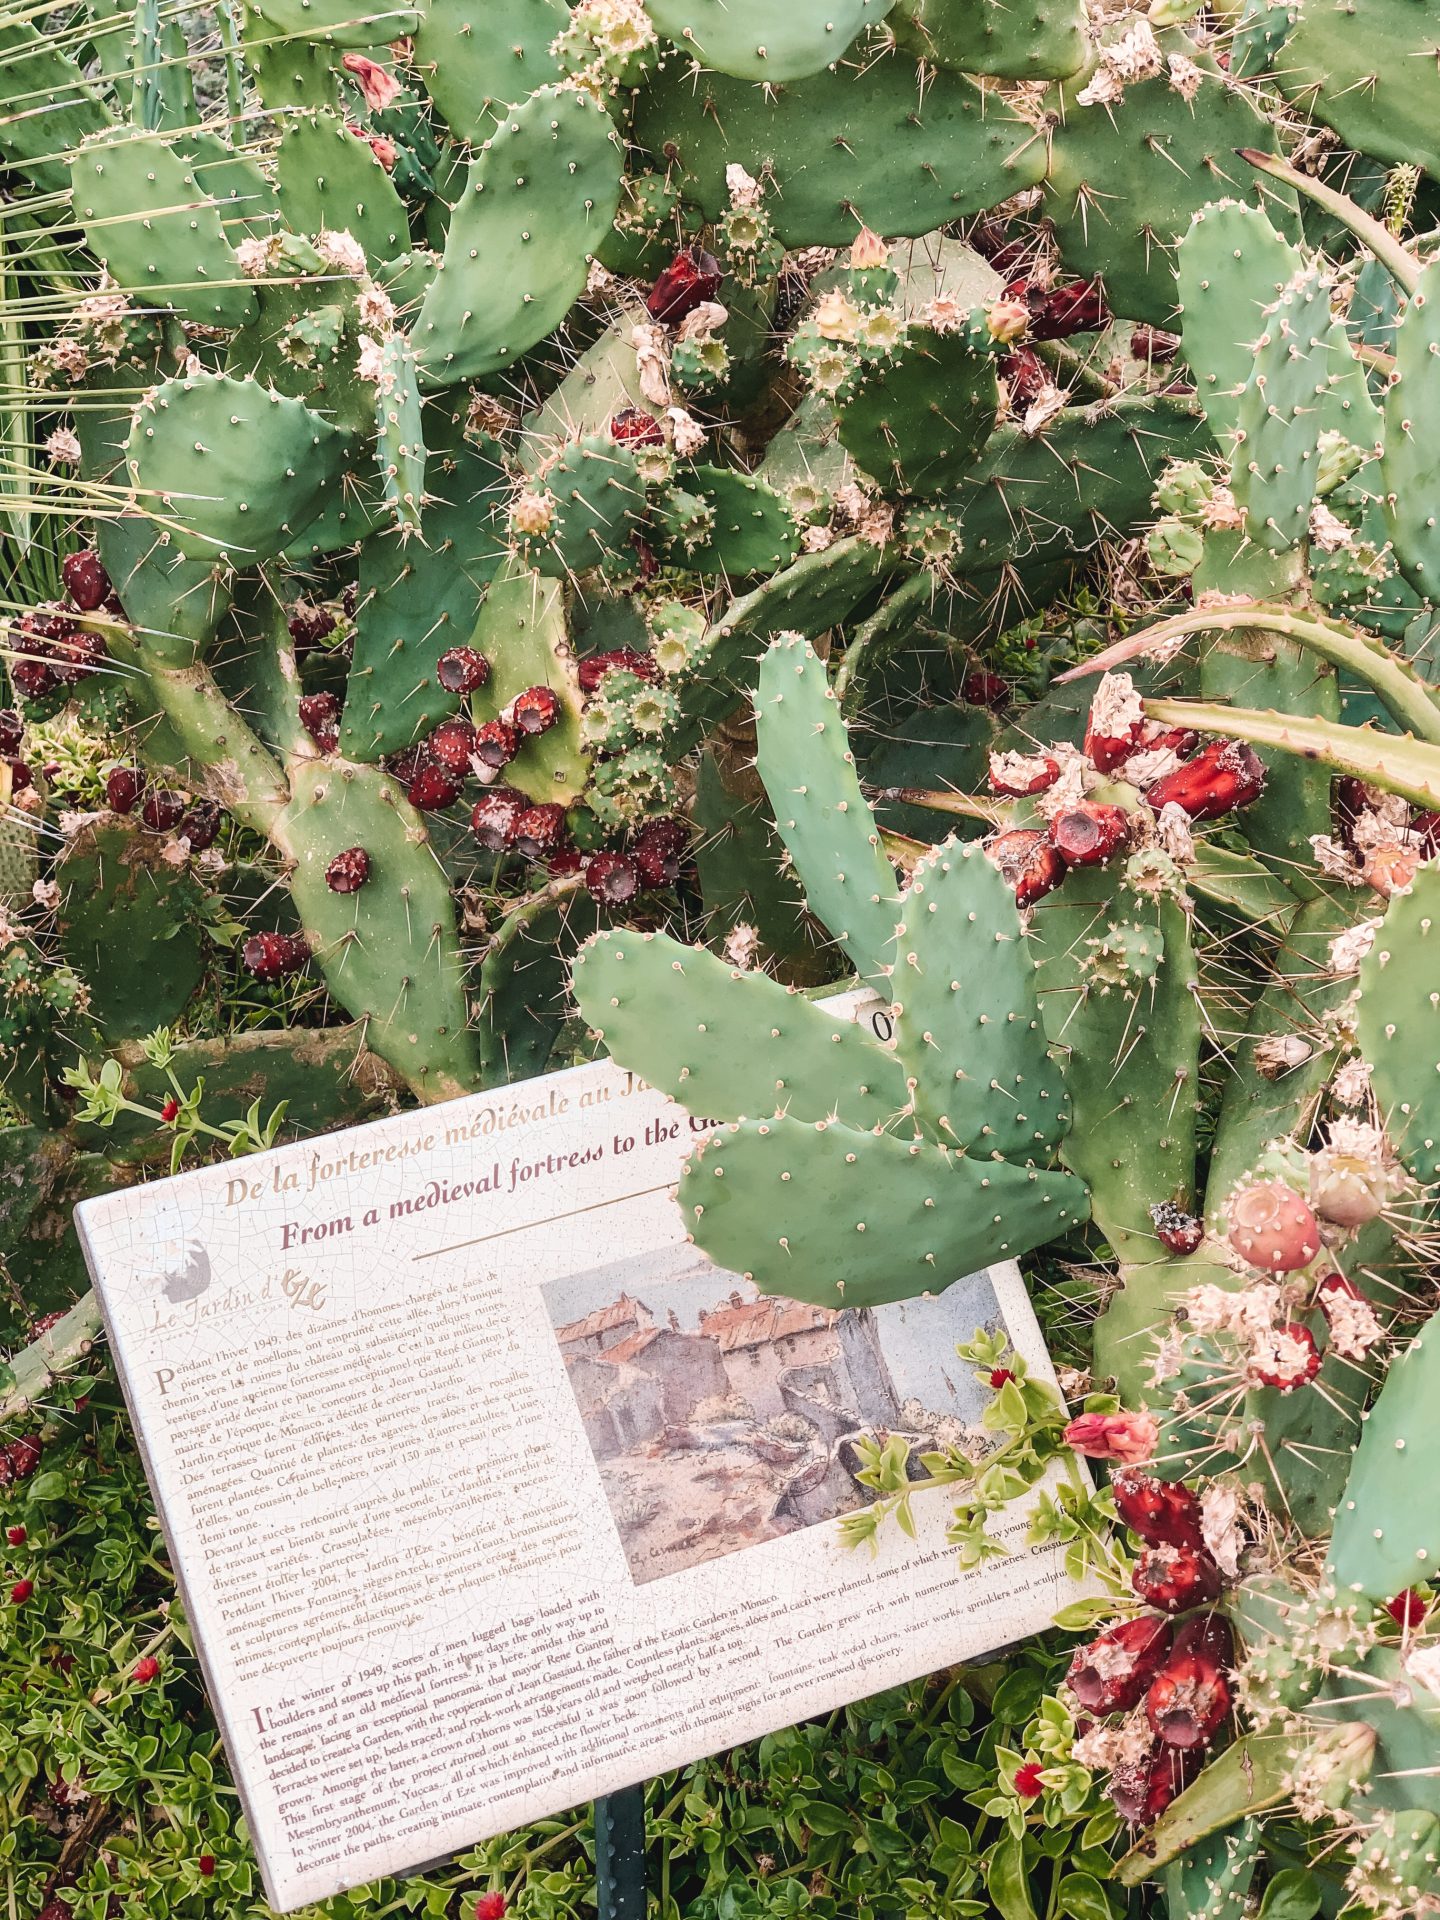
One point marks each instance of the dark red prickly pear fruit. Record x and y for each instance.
(1187, 1700)
(645, 558)
(1165, 1513)
(1028, 861)
(1272, 1227)
(163, 810)
(1222, 776)
(1088, 834)
(1017, 776)
(1210, 1634)
(659, 849)
(433, 788)
(1024, 373)
(1144, 1789)
(24, 1455)
(309, 624)
(1175, 1579)
(462, 670)
(1285, 1358)
(12, 732)
(348, 871)
(200, 824)
(616, 660)
(86, 580)
(496, 743)
(123, 788)
(270, 956)
(405, 764)
(20, 776)
(633, 427)
(535, 710)
(493, 820)
(1077, 307)
(1182, 741)
(612, 877)
(984, 689)
(1107, 750)
(1175, 1229)
(33, 677)
(692, 278)
(320, 717)
(540, 831)
(1154, 345)
(567, 861)
(1112, 1673)
(76, 656)
(450, 746)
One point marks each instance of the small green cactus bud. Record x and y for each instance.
(1174, 549)
(1184, 488)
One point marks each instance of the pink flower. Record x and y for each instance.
(378, 86)
(1129, 1437)
(382, 148)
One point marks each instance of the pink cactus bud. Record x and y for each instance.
(1126, 1436)
(379, 87)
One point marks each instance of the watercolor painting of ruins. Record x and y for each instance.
(720, 1418)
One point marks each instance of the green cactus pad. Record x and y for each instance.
(128, 925)
(419, 597)
(1410, 465)
(597, 499)
(1210, 1882)
(522, 632)
(477, 57)
(233, 181)
(536, 205)
(231, 468)
(968, 1027)
(848, 1219)
(389, 953)
(331, 23)
(804, 758)
(327, 178)
(1304, 381)
(1036, 40)
(1398, 1023)
(41, 75)
(1232, 266)
(1126, 181)
(174, 605)
(523, 1003)
(855, 143)
(157, 230)
(399, 435)
(730, 1045)
(1387, 1529)
(1380, 88)
(743, 526)
(755, 40)
(917, 423)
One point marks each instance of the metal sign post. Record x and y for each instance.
(620, 1854)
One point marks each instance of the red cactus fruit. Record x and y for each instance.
(1077, 307)
(612, 877)
(85, 578)
(20, 776)
(1409, 1608)
(123, 787)
(1187, 1700)
(1154, 345)
(566, 861)
(450, 746)
(1175, 1579)
(1108, 746)
(1272, 1228)
(76, 655)
(348, 871)
(535, 710)
(405, 764)
(1176, 1230)
(320, 717)
(633, 427)
(1284, 1357)
(1165, 1513)
(493, 820)
(1182, 741)
(692, 278)
(309, 624)
(1088, 834)
(33, 677)
(1209, 1633)
(12, 732)
(1112, 1673)
(146, 1668)
(1031, 865)
(200, 824)
(1016, 775)
(616, 660)
(1222, 776)
(462, 670)
(24, 1455)
(985, 689)
(1144, 1789)
(163, 810)
(496, 743)
(659, 849)
(270, 956)
(1024, 373)
(433, 788)
(540, 831)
